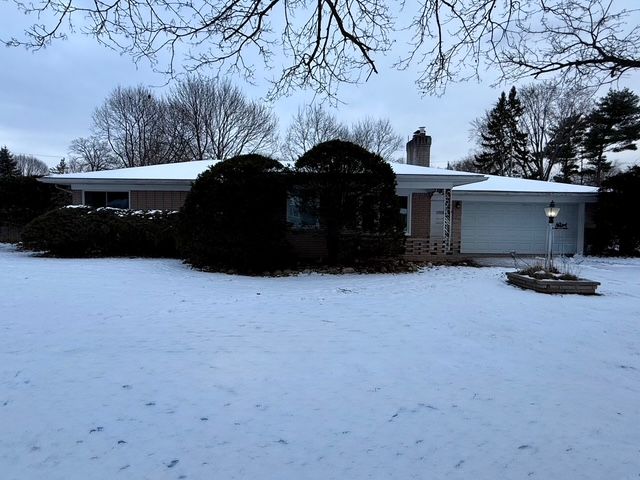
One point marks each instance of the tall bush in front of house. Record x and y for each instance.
(234, 217)
(352, 191)
(617, 220)
(79, 231)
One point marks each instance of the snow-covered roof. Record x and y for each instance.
(167, 171)
(498, 184)
(190, 171)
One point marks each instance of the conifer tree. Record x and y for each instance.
(613, 125)
(562, 149)
(504, 145)
(61, 167)
(8, 164)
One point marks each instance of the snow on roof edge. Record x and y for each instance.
(189, 171)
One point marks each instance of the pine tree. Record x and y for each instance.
(504, 145)
(8, 164)
(60, 168)
(562, 148)
(614, 125)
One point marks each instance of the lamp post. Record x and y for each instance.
(551, 212)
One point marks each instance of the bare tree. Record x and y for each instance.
(133, 122)
(326, 43)
(90, 154)
(216, 120)
(310, 126)
(30, 166)
(190, 101)
(377, 136)
(237, 125)
(549, 107)
(466, 164)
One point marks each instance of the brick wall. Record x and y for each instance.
(419, 246)
(420, 214)
(76, 197)
(308, 244)
(156, 200)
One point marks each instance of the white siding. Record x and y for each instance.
(500, 228)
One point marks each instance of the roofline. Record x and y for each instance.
(110, 181)
(584, 196)
(467, 179)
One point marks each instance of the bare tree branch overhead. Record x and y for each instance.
(324, 43)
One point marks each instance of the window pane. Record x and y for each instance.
(403, 202)
(95, 199)
(118, 199)
(300, 216)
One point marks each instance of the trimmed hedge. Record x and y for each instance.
(81, 231)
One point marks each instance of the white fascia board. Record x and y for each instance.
(518, 197)
(435, 182)
(120, 184)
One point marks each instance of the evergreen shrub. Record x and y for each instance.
(80, 231)
(24, 198)
(234, 217)
(617, 221)
(353, 193)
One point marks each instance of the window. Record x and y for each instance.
(107, 199)
(299, 215)
(403, 202)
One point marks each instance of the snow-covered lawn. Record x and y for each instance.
(145, 369)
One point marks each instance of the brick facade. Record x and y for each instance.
(419, 246)
(308, 244)
(156, 200)
(420, 214)
(76, 197)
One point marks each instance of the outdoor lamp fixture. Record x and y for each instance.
(551, 212)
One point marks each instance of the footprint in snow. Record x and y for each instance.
(172, 463)
(127, 387)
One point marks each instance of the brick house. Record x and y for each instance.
(446, 212)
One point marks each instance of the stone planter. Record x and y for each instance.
(581, 286)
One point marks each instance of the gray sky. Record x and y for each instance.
(47, 97)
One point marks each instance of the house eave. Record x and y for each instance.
(510, 196)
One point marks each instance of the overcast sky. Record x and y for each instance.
(47, 97)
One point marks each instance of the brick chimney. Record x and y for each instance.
(419, 148)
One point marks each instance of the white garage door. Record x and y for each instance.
(515, 227)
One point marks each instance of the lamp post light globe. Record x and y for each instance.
(552, 211)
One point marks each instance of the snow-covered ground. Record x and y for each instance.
(145, 369)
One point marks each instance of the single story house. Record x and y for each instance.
(446, 212)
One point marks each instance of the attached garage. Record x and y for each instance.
(504, 215)
(500, 228)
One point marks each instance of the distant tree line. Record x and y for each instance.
(19, 165)
(202, 118)
(551, 131)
